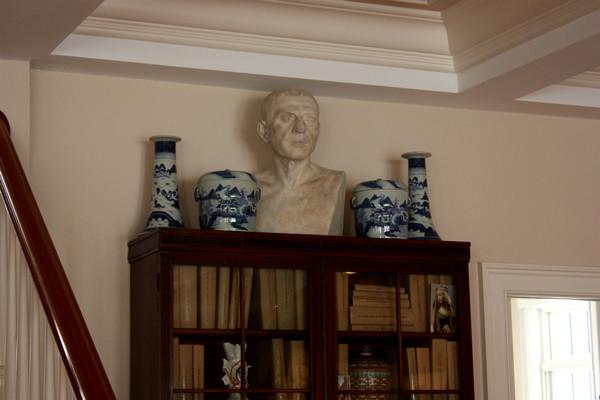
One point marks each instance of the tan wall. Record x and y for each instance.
(15, 103)
(521, 188)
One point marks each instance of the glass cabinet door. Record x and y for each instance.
(396, 336)
(240, 332)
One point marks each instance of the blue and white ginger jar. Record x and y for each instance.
(227, 200)
(380, 209)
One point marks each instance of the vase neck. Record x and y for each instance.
(416, 163)
(164, 147)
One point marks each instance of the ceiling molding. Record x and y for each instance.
(348, 6)
(566, 95)
(540, 24)
(199, 37)
(590, 79)
(211, 59)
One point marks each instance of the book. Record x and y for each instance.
(418, 305)
(234, 300)
(198, 369)
(279, 375)
(223, 297)
(373, 312)
(372, 319)
(188, 289)
(439, 364)
(370, 302)
(300, 288)
(285, 299)
(386, 296)
(186, 367)
(376, 288)
(343, 367)
(297, 368)
(411, 368)
(341, 300)
(207, 297)
(372, 327)
(175, 361)
(267, 300)
(248, 279)
(423, 368)
(176, 298)
(453, 367)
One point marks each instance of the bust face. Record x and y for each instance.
(293, 124)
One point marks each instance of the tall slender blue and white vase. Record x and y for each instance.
(165, 197)
(420, 224)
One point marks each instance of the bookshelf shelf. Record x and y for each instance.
(301, 311)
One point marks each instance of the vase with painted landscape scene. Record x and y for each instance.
(164, 212)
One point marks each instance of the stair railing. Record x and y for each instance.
(76, 347)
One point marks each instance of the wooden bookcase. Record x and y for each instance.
(314, 317)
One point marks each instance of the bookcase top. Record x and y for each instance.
(192, 240)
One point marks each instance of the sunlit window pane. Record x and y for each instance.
(583, 385)
(560, 334)
(581, 332)
(562, 386)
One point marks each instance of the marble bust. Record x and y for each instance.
(297, 195)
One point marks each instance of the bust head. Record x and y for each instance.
(290, 123)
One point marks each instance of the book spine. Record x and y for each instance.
(411, 363)
(453, 367)
(300, 288)
(176, 297)
(423, 368)
(439, 364)
(208, 297)
(266, 282)
(223, 298)
(234, 300)
(341, 296)
(188, 290)
(248, 279)
(198, 369)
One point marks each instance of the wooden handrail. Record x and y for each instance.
(81, 360)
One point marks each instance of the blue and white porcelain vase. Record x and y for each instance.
(380, 209)
(420, 224)
(165, 199)
(227, 200)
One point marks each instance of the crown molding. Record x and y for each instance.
(254, 43)
(527, 30)
(349, 6)
(590, 79)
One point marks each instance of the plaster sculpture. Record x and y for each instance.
(297, 195)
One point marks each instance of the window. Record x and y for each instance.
(555, 349)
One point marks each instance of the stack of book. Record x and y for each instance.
(374, 308)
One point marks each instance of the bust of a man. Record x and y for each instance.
(297, 195)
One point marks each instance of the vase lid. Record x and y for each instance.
(165, 138)
(416, 154)
(226, 174)
(379, 184)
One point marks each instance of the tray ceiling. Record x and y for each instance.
(467, 49)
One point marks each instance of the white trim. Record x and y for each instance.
(500, 282)
(532, 50)
(201, 58)
(540, 24)
(255, 43)
(345, 6)
(566, 95)
(590, 79)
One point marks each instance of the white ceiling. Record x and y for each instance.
(532, 56)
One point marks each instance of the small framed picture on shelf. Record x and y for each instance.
(443, 308)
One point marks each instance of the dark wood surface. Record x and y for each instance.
(321, 257)
(81, 360)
